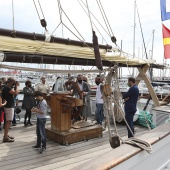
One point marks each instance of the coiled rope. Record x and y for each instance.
(108, 106)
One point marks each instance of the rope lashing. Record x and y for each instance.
(108, 107)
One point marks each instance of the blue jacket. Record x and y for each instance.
(130, 104)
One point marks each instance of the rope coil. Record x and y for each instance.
(108, 107)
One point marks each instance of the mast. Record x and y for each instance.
(134, 31)
(153, 33)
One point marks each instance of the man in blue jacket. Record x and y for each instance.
(131, 98)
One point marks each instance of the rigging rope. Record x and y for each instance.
(103, 17)
(41, 9)
(36, 10)
(89, 15)
(93, 23)
(132, 141)
(42, 21)
(106, 17)
(60, 13)
(113, 38)
(95, 18)
(72, 24)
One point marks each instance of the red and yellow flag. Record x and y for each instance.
(166, 41)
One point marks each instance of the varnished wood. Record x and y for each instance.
(74, 135)
(60, 115)
(116, 156)
(20, 155)
(142, 76)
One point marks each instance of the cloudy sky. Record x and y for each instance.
(120, 14)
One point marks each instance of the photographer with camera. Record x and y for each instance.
(8, 93)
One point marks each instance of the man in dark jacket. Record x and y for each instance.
(131, 98)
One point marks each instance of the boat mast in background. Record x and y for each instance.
(153, 36)
(134, 31)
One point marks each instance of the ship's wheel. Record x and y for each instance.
(76, 112)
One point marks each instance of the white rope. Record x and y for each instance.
(132, 141)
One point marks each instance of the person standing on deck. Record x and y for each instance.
(131, 98)
(87, 112)
(99, 101)
(2, 102)
(41, 112)
(84, 90)
(14, 122)
(8, 93)
(43, 87)
(28, 102)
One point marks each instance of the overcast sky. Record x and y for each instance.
(120, 14)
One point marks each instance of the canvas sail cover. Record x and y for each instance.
(20, 45)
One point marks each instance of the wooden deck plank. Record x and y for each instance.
(20, 156)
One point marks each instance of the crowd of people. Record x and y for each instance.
(34, 101)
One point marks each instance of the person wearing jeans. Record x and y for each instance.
(41, 112)
(99, 101)
(99, 113)
(41, 136)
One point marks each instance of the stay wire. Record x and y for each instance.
(103, 17)
(60, 13)
(93, 22)
(47, 39)
(150, 70)
(142, 33)
(36, 9)
(72, 24)
(89, 14)
(106, 17)
(95, 18)
(41, 9)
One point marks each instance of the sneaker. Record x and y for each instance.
(42, 150)
(36, 147)
(7, 140)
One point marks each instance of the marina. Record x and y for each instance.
(83, 83)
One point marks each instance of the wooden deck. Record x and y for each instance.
(20, 155)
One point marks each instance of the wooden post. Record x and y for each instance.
(142, 76)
